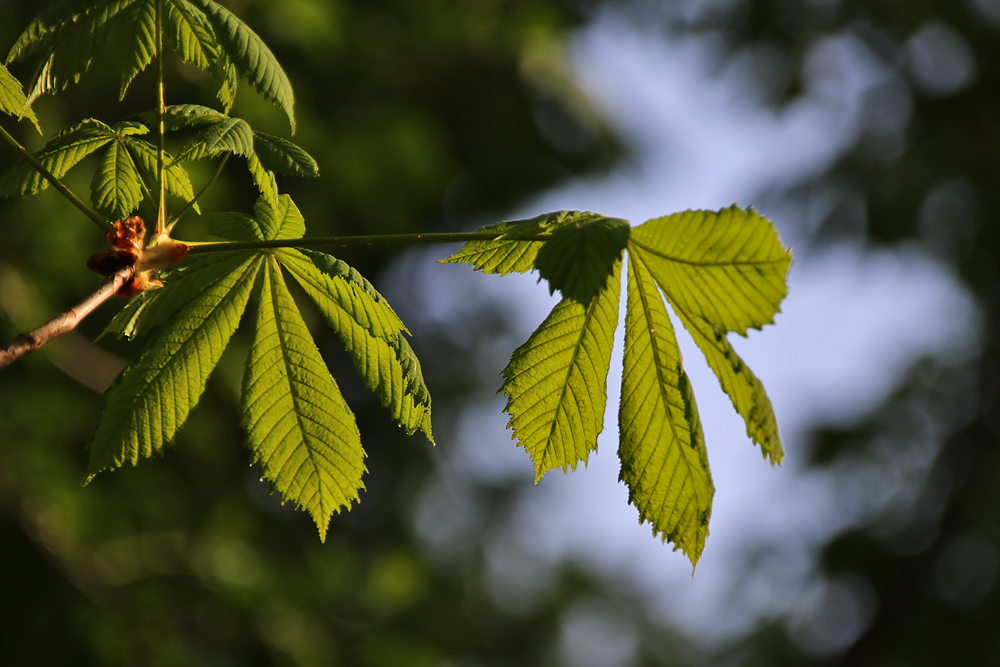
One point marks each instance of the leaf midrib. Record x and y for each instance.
(274, 276)
(688, 262)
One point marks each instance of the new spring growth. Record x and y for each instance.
(126, 243)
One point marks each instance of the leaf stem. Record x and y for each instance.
(60, 187)
(370, 239)
(187, 207)
(27, 343)
(161, 110)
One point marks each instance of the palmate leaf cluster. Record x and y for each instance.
(720, 272)
(66, 40)
(299, 429)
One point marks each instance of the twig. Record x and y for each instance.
(27, 343)
(56, 183)
(198, 248)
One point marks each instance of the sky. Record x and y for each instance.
(852, 323)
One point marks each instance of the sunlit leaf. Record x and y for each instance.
(12, 99)
(232, 226)
(189, 34)
(227, 135)
(147, 311)
(580, 256)
(281, 222)
(282, 156)
(300, 431)
(135, 47)
(556, 382)
(251, 56)
(177, 180)
(371, 333)
(179, 116)
(662, 447)
(722, 272)
(68, 41)
(727, 266)
(59, 155)
(153, 396)
(116, 188)
(505, 254)
(263, 179)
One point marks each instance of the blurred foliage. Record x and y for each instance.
(915, 582)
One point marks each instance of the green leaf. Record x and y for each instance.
(281, 222)
(59, 155)
(150, 309)
(727, 266)
(189, 34)
(178, 181)
(264, 180)
(153, 396)
(722, 272)
(662, 447)
(180, 116)
(505, 254)
(282, 156)
(738, 381)
(228, 77)
(135, 46)
(68, 42)
(46, 28)
(233, 226)
(556, 382)
(342, 291)
(370, 331)
(251, 56)
(227, 135)
(580, 256)
(127, 128)
(300, 430)
(12, 99)
(116, 188)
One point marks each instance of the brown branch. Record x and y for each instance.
(27, 343)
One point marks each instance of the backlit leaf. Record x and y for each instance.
(556, 382)
(299, 429)
(149, 310)
(153, 396)
(282, 156)
(251, 56)
(189, 34)
(371, 333)
(59, 155)
(68, 41)
(135, 46)
(662, 448)
(116, 189)
(179, 116)
(12, 99)
(722, 272)
(227, 135)
(281, 222)
(263, 179)
(233, 226)
(727, 266)
(505, 254)
(580, 256)
(178, 181)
